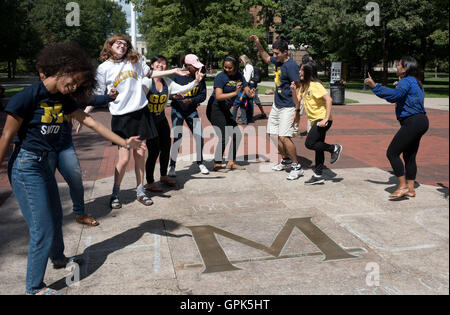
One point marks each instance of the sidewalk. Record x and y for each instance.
(254, 232)
(361, 98)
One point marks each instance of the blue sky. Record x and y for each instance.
(126, 8)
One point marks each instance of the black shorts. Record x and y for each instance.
(138, 123)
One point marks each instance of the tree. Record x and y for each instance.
(206, 28)
(17, 38)
(338, 29)
(98, 20)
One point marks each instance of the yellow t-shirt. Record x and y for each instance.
(315, 105)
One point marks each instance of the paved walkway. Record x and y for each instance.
(253, 231)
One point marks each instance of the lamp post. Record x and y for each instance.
(133, 25)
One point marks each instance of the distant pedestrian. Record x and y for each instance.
(409, 97)
(250, 75)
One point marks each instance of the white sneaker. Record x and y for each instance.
(172, 172)
(281, 166)
(295, 174)
(203, 169)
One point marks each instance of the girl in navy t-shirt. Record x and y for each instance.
(227, 86)
(37, 116)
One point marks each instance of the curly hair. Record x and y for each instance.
(68, 59)
(107, 53)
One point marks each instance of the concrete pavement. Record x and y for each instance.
(254, 232)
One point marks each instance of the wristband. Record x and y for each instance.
(297, 110)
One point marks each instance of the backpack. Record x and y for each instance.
(256, 74)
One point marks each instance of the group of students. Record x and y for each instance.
(39, 124)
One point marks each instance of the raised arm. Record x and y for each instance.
(175, 88)
(87, 120)
(390, 95)
(264, 55)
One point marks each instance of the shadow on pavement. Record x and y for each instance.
(99, 252)
(443, 189)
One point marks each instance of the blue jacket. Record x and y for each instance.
(408, 95)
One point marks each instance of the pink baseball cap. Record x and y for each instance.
(193, 60)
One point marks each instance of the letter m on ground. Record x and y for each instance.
(215, 259)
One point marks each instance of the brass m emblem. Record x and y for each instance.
(215, 259)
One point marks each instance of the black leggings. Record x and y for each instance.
(316, 141)
(407, 141)
(225, 127)
(159, 146)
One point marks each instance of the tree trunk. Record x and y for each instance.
(385, 57)
(9, 70)
(14, 66)
(423, 60)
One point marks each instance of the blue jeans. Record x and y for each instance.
(243, 112)
(68, 165)
(36, 191)
(195, 125)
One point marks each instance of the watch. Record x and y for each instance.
(297, 110)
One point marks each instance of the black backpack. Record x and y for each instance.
(256, 74)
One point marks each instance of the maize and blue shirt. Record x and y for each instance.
(408, 95)
(45, 118)
(286, 73)
(157, 101)
(197, 95)
(228, 85)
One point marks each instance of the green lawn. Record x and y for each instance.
(433, 87)
(12, 92)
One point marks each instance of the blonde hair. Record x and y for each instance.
(107, 53)
(245, 60)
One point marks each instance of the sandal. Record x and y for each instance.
(411, 194)
(115, 203)
(399, 193)
(87, 220)
(66, 261)
(144, 200)
(220, 169)
(153, 188)
(168, 182)
(234, 166)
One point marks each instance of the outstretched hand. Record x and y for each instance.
(293, 87)
(370, 82)
(113, 93)
(135, 143)
(182, 72)
(199, 76)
